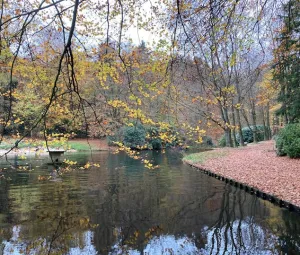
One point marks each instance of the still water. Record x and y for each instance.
(124, 208)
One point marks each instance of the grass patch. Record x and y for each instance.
(80, 146)
(75, 145)
(7, 144)
(201, 157)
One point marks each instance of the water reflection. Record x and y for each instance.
(123, 208)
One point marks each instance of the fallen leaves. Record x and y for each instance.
(258, 166)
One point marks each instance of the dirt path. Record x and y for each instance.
(258, 166)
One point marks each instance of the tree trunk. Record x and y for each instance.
(2, 114)
(264, 124)
(254, 130)
(235, 143)
(227, 129)
(228, 137)
(238, 116)
(268, 121)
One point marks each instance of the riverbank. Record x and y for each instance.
(30, 148)
(256, 166)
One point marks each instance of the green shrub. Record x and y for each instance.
(288, 141)
(116, 137)
(279, 146)
(248, 134)
(130, 136)
(207, 140)
(222, 141)
(293, 151)
(156, 144)
(135, 136)
(146, 136)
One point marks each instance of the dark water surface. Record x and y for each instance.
(124, 208)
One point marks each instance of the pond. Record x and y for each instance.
(124, 208)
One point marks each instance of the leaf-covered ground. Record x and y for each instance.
(258, 166)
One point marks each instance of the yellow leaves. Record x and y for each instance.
(107, 71)
(194, 133)
(149, 165)
(268, 90)
(84, 222)
(22, 157)
(134, 155)
(18, 121)
(232, 127)
(24, 168)
(70, 162)
(88, 165)
(132, 113)
(139, 101)
(43, 178)
(233, 59)
(117, 104)
(198, 98)
(163, 125)
(238, 106)
(229, 89)
(30, 85)
(209, 101)
(135, 98)
(200, 140)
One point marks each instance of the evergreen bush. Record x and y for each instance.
(248, 134)
(134, 137)
(222, 141)
(288, 141)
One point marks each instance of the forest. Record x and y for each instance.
(149, 127)
(158, 72)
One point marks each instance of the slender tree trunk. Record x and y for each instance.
(268, 121)
(235, 143)
(253, 113)
(283, 107)
(228, 137)
(238, 116)
(2, 110)
(227, 129)
(264, 124)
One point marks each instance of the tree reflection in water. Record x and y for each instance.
(225, 236)
(125, 209)
(69, 235)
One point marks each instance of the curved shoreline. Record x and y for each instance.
(228, 168)
(40, 152)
